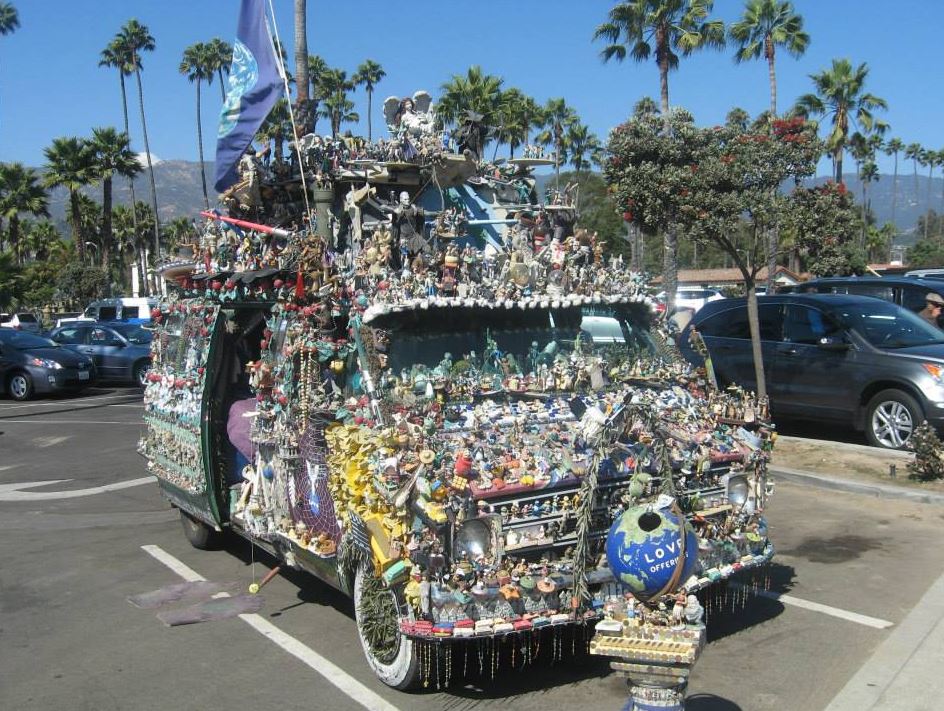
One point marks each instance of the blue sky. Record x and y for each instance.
(50, 84)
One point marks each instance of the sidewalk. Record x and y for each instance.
(905, 671)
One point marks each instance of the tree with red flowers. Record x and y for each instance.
(825, 223)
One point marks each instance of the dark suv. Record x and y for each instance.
(909, 292)
(832, 357)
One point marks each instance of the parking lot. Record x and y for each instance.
(84, 528)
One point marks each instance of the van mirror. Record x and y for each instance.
(833, 343)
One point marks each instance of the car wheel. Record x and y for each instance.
(199, 534)
(20, 386)
(140, 373)
(390, 654)
(890, 418)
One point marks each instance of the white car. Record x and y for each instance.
(22, 321)
(693, 297)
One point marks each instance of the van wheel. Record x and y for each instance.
(199, 534)
(20, 386)
(140, 373)
(890, 419)
(391, 655)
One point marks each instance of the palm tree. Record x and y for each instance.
(516, 114)
(476, 91)
(369, 75)
(133, 39)
(43, 239)
(764, 25)
(582, 144)
(840, 94)
(9, 18)
(665, 28)
(116, 55)
(893, 148)
(198, 66)
(302, 81)
(111, 154)
(913, 153)
(339, 110)
(276, 127)
(220, 58)
(558, 118)
(645, 108)
(69, 164)
(317, 67)
(737, 118)
(929, 158)
(21, 193)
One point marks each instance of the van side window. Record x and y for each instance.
(805, 325)
(876, 291)
(107, 313)
(733, 323)
(913, 298)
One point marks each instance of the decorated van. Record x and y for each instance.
(412, 378)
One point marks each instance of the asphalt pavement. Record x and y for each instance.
(843, 593)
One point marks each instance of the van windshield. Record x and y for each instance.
(514, 340)
(885, 325)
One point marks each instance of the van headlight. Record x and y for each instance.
(738, 490)
(475, 538)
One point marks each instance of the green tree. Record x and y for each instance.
(21, 193)
(582, 145)
(9, 18)
(841, 96)
(368, 75)
(277, 127)
(44, 240)
(336, 107)
(558, 119)
(931, 159)
(664, 28)
(117, 56)
(69, 164)
(913, 153)
(476, 91)
(133, 40)
(78, 284)
(317, 68)
(825, 220)
(110, 155)
(893, 148)
(303, 80)
(764, 26)
(198, 66)
(220, 58)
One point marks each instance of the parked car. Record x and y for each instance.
(121, 351)
(909, 292)
(31, 364)
(21, 321)
(832, 357)
(695, 297)
(926, 273)
(68, 317)
(132, 309)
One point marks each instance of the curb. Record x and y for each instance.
(882, 491)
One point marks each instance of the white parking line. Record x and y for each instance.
(330, 671)
(873, 622)
(49, 403)
(66, 422)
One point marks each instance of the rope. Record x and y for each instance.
(291, 115)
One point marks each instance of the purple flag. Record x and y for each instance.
(255, 84)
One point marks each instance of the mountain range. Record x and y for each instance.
(179, 194)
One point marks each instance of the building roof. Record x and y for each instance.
(731, 276)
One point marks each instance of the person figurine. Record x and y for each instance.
(933, 304)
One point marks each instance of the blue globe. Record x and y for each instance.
(644, 546)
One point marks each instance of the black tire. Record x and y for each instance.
(199, 534)
(401, 669)
(139, 373)
(890, 418)
(20, 386)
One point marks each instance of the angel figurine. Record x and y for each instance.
(410, 116)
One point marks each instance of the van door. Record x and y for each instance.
(177, 440)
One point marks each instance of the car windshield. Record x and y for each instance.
(27, 318)
(514, 341)
(134, 334)
(885, 325)
(24, 341)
